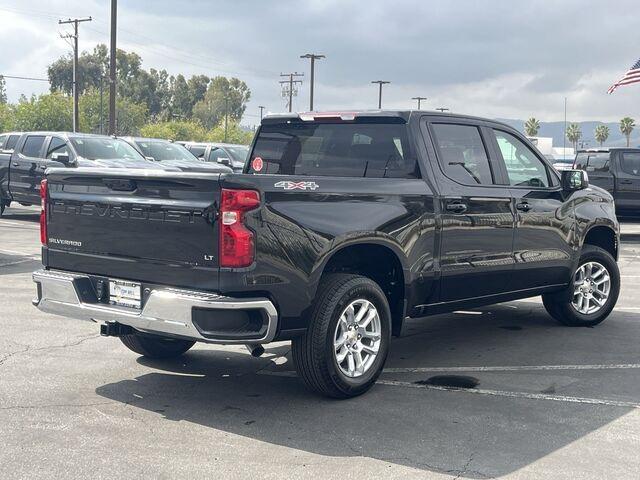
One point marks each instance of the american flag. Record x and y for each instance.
(632, 76)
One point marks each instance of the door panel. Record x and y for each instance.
(476, 255)
(628, 194)
(26, 168)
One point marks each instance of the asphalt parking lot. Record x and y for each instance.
(543, 401)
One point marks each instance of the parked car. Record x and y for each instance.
(231, 155)
(174, 155)
(22, 169)
(562, 163)
(617, 170)
(343, 226)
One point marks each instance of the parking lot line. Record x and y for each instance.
(512, 368)
(504, 393)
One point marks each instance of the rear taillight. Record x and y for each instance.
(237, 247)
(44, 196)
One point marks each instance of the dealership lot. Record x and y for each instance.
(545, 401)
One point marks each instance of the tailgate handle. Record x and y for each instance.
(120, 184)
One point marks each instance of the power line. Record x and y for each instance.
(75, 22)
(289, 86)
(380, 83)
(19, 77)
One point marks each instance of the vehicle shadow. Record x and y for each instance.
(13, 264)
(473, 436)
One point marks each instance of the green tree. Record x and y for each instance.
(3, 91)
(130, 116)
(51, 111)
(234, 134)
(627, 125)
(224, 95)
(6, 117)
(531, 127)
(92, 66)
(574, 134)
(601, 134)
(175, 130)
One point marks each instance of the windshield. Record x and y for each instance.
(238, 154)
(161, 151)
(98, 148)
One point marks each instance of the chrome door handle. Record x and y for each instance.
(523, 206)
(16, 164)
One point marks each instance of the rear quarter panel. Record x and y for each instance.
(297, 231)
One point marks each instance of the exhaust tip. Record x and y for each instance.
(255, 349)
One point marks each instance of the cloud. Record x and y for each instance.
(493, 58)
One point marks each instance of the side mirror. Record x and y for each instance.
(574, 180)
(224, 161)
(62, 157)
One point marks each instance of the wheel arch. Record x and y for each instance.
(603, 236)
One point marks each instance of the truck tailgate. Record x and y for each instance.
(139, 225)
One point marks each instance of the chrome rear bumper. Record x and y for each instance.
(166, 311)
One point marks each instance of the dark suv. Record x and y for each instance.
(617, 170)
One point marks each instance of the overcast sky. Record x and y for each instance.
(494, 58)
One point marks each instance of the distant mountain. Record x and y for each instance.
(556, 130)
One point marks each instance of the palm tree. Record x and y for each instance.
(626, 127)
(574, 134)
(601, 134)
(531, 127)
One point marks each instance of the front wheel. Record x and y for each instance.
(592, 294)
(345, 346)
(154, 346)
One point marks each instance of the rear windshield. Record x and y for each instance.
(369, 149)
(160, 151)
(97, 148)
(197, 150)
(239, 154)
(592, 161)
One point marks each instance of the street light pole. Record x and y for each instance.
(380, 83)
(112, 69)
(261, 107)
(313, 57)
(419, 99)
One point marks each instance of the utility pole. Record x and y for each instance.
(564, 137)
(419, 99)
(75, 21)
(380, 83)
(313, 57)
(261, 107)
(442, 109)
(289, 90)
(112, 69)
(101, 117)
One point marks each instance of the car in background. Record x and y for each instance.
(8, 141)
(561, 164)
(172, 154)
(234, 156)
(23, 167)
(616, 170)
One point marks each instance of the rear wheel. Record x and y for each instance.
(154, 346)
(593, 291)
(344, 349)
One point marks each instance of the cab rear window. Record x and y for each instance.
(343, 149)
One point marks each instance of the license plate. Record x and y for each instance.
(125, 294)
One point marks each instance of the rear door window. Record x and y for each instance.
(462, 153)
(33, 146)
(631, 163)
(377, 149)
(3, 140)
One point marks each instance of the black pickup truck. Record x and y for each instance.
(617, 170)
(341, 227)
(22, 166)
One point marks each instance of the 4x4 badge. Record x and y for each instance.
(288, 185)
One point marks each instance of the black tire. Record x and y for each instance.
(2, 207)
(154, 346)
(313, 353)
(559, 305)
